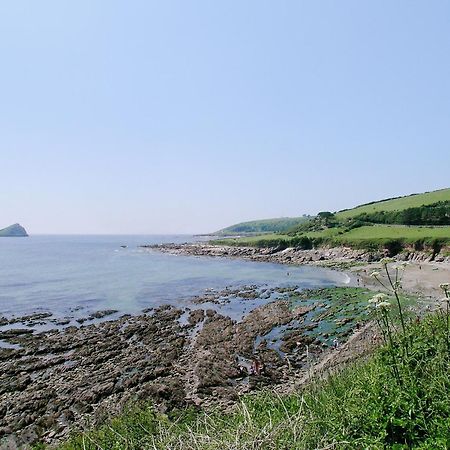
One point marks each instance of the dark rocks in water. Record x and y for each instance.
(97, 315)
(15, 230)
(101, 314)
(14, 332)
(29, 319)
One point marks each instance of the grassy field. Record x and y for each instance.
(343, 232)
(398, 398)
(278, 225)
(251, 241)
(411, 233)
(366, 236)
(401, 203)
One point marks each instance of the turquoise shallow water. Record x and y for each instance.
(77, 275)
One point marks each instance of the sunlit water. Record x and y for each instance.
(73, 276)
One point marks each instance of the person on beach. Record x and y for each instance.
(257, 367)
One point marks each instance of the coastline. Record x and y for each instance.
(422, 278)
(77, 377)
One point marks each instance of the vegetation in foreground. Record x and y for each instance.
(398, 398)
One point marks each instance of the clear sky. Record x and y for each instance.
(187, 116)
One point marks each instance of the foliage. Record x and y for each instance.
(397, 204)
(372, 226)
(263, 226)
(435, 214)
(373, 237)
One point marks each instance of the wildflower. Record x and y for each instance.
(445, 286)
(397, 285)
(399, 267)
(383, 305)
(375, 274)
(386, 261)
(378, 297)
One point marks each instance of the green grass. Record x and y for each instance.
(362, 237)
(251, 241)
(411, 233)
(397, 204)
(278, 225)
(370, 237)
(364, 406)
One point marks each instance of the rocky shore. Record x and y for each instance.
(73, 377)
(55, 381)
(334, 257)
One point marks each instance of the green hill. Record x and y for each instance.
(15, 230)
(397, 204)
(278, 225)
(418, 220)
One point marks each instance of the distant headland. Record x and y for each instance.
(15, 230)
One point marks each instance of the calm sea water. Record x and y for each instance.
(77, 275)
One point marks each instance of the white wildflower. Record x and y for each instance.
(378, 298)
(375, 274)
(445, 286)
(386, 261)
(383, 305)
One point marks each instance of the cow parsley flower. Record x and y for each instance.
(386, 261)
(383, 305)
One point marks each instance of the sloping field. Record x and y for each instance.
(278, 225)
(395, 232)
(374, 235)
(397, 204)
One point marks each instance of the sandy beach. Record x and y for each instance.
(420, 279)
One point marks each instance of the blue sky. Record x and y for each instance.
(187, 116)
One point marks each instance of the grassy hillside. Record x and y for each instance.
(397, 232)
(397, 204)
(372, 226)
(278, 225)
(371, 237)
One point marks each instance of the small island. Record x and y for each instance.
(15, 230)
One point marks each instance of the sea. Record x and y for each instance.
(75, 276)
